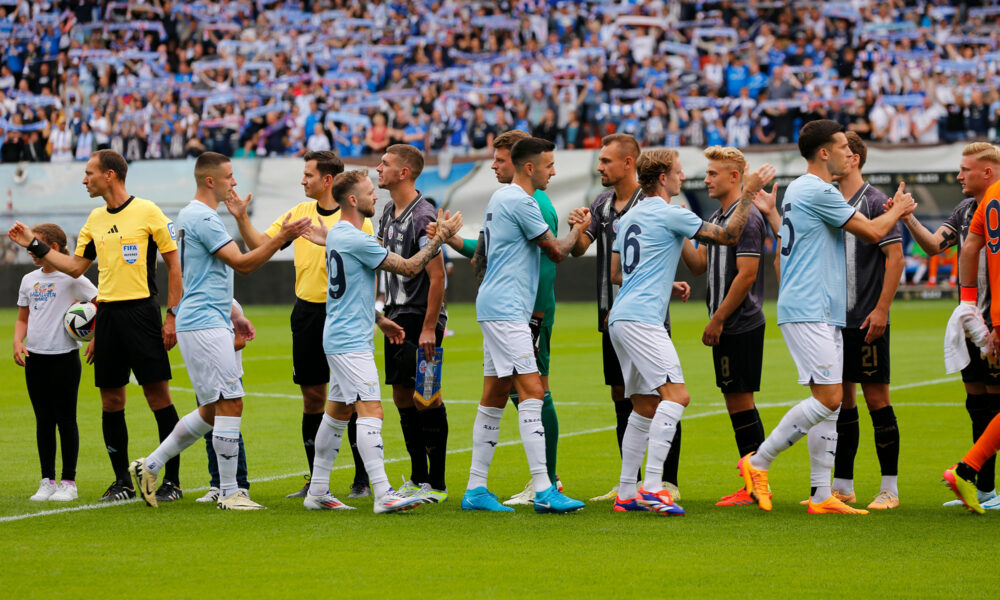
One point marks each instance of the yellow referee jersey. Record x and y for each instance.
(310, 259)
(124, 242)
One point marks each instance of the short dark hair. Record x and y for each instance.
(857, 147)
(344, 184)
(523, 151)
(207, 163)
(412, 158)
(625, 141)
(816, 134)
(507, 139)
(327, 162)
(109, 160)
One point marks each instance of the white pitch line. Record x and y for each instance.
(711, 413)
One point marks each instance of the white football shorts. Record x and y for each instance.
(353, 377)
(212, 364)
(507, 349)
(818, 351)
(647, 356)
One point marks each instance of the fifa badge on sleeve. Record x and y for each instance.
(428, 384)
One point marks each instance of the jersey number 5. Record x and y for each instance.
(335, 268)
(629, 263)
(786, 249)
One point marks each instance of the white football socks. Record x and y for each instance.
(844, 486)
(226, 440)
(327, 444)
(370, 448)
(661, 436)
(634, 444)
(529, 418)
(793, 426)
(485, 435)
(187, 431)
(822, 452)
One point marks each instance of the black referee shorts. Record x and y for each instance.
(128, 336)
(401, 359)
(309, 366)
(865, 363)
(738, 359)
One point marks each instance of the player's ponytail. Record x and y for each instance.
(50, 233)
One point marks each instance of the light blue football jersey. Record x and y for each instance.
(208, 282)
(351, 259)
(513, 220)
(813, 286)
(649, 241)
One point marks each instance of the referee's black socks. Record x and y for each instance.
(166, 420)
(116, 442)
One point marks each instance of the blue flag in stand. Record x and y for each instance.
(428, 385)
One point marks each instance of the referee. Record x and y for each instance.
(309, 367)
(123, 237)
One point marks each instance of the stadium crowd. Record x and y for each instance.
(164, 79)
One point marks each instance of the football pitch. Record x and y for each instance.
(184, 549)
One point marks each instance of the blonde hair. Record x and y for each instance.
(727, 154)
(651, 164)
(983, 151)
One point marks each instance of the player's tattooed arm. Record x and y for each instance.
(479, 258)
(558, 249)
(411, 267)
(730, 234)
(932, 243)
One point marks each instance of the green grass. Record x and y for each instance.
(187, 550)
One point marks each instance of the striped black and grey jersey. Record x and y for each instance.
(866, 262)
(603, 230)
(959, 222)
(405, 235)
(722, 270)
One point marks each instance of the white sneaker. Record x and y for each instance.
(983, 497)
(212, 495)
(526, 496)
(609, 496)
(145, 481)
(45, 490)
(993, 504)
(393, 501)
(238, 501)
(326, 501)
(430, 495)
(65, 492)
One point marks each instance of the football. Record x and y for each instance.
(79, 321)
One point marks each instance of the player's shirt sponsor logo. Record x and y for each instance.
(172, 230)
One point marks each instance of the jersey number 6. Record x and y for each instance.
(629, 263)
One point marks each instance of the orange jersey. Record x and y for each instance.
(986, 222)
